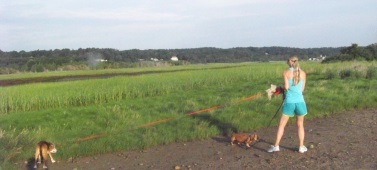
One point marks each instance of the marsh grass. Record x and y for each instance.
(99, 116)
(117, 71)
(33, 97)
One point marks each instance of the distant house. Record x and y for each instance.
(174, 58)
(101, 60)
(320, 58)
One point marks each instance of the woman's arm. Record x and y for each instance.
(303, 78)
(285, 79)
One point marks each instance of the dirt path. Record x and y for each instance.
(20, 81)
(343, 141)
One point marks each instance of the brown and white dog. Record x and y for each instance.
(43, 149)
(243, 138)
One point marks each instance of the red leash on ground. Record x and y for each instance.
(168, 119)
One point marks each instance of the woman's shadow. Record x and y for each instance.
(225, 128)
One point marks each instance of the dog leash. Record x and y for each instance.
(277, 111)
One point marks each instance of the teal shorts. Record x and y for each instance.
(294, 109)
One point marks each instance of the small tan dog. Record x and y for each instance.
(271, 91)
(243, 138)
(43, 149)
(274, 90)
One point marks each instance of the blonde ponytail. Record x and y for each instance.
(296, 69)
(296, 77)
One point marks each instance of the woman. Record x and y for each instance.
(294, 103)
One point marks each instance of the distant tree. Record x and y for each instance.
(372, 49)
(37, 68)
(353, 52)
(65, 59)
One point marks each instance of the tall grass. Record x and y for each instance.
(83, 93)
(82, 117)
(116, 71)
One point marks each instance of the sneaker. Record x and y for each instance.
(302, 149)
(273, 148)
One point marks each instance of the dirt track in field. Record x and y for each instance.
(14, 82)
(20, 81)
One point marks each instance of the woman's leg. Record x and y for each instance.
(283, 121)
(300, 130)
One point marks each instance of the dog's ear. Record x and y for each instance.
(51, 146)
(249, 138)
(253, 137)
(273, 87)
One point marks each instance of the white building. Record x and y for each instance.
(174, 58)
(101, 60)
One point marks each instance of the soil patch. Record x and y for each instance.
(342, 141)
(20, 81)
(13, 82)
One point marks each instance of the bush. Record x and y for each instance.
(330, 74)
(357, 74)
(371, 72)
(37, 68)
(7, 70)
(345, 73)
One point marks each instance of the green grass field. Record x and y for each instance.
(87, 117)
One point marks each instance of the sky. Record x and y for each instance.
(180, 24)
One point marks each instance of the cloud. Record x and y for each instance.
(144, 24)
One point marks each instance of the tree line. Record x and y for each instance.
(89, 58)
(355, 52)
